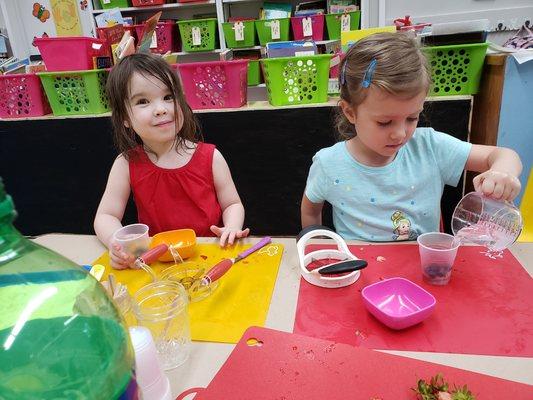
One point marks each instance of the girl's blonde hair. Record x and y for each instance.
(401, 69)
(118, 91)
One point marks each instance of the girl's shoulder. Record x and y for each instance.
(331, 152)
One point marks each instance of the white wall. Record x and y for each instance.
(22, 26)
(2, 21)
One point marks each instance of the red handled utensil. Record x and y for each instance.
(223, 266)
(148, 257)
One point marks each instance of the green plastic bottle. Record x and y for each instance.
(60, 335)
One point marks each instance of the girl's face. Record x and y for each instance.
(384, 123)
(151, 111)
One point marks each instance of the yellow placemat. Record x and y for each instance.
(241, 299)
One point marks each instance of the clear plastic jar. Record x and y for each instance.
(162, 307)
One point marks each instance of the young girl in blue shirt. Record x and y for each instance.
(385, 178)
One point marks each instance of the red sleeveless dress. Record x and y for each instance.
(169, 199)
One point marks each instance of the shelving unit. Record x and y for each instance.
(163, 7)
(222, 8)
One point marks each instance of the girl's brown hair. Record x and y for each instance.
(118, 91)
(401, 69)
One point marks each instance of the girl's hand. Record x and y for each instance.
(119, 259)
(498, 185)
(228, 235)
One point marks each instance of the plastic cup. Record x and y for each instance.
(437, 255)
(487, 222)
(150, 377)
(162, 307)
(133, 239)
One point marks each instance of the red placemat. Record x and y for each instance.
(293, 367)
(487, 308)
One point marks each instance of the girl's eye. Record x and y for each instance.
(142, 101)
(169, 97)
(384, 123)
(412, 119)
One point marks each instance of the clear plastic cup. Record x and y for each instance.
(150, 377)
(133, 239)
(162, 307)
(437, 255)
(484, 221)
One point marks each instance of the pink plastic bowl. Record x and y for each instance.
(398, 302)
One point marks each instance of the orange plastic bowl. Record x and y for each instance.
(183, 240)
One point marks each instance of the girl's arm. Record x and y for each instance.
(311, 212)
(111, 210)
(499, 167)
(230, 203)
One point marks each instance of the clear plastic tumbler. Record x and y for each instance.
(437, 255)
(133, 239)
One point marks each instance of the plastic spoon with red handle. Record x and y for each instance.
(149, 257)
(222, 267)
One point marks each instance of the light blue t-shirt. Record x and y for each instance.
(398, 201)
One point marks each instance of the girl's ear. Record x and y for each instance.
(348, 110)
(126, 124)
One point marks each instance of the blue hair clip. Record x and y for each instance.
(343, 74)
(369, 73)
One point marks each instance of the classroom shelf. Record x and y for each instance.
(162, 7)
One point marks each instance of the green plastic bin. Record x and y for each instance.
(106, 4)
(208, 29)
(264, 31)
(76, 92)
(333, 23)
(249, 35)
(456, 70)
(297, 80)
(254, 73)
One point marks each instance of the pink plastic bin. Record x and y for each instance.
(335, 71)
(22, 96)
(317, 23)
(142, 3)
(74, 53)
(166, 34)
(215, 84)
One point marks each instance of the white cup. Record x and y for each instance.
(150, 377)
(133, 239)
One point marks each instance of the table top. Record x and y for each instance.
(207, 358)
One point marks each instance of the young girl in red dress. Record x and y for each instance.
(177, 181)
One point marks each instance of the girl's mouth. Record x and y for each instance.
(164, 123)
(394, 146)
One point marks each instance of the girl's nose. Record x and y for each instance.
(160, 109)
(399, 133)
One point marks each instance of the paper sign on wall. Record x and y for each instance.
(274, 29)
(196, 36)
(66, 17)
(307, 25)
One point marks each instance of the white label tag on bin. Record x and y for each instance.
(238, 27)
(107, 1)
(274, 29)
(196, 36)
(153, 44)
(345, 22)
(333, 86)
(307, 24)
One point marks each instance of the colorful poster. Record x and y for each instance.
(66, 17)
